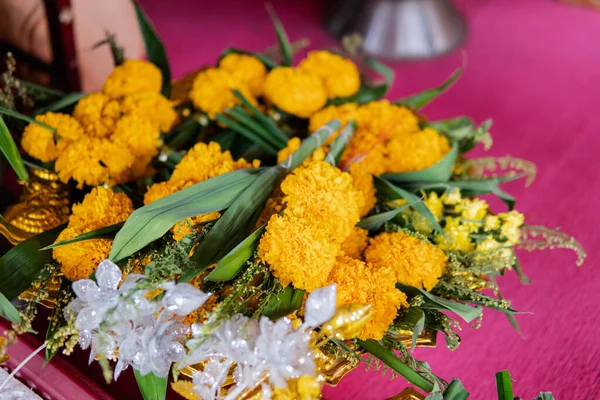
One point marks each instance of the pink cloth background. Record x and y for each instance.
(534, 67)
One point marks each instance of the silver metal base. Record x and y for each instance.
(398, 29)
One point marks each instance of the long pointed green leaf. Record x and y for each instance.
(310, 144)
(340, 143)
(393, 192)
(232, 263)
(420, 100)
(285, 303)
(376, 222)
(8, 311)
(440, 172)
(244, 118)
(392, 361)
(23, 263)
(155, 50)
(504, 386)
(462, 130)
(284, 42)
(151, 386)
(25, 118)
(247, 133)
(11, 152)
(151, 222)
(108, 232)
(64, 102)
(266, 121)
(455, 391)
(545, 396)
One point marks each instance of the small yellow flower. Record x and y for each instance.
(451, 197)
(417, 151)
(152, 106)
(492, 222)
(456, 236)
(212, 91)
(472, 211)
(340, 76)
(249, 70)
(133, 76)
(363, 283)
(435, 205)
(45, 145)
(98, 114)
(511, 224)
(295, 91)
(415, 262)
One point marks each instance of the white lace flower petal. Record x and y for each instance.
(108, 275)
(320, 306)
(182, 298)
(87, 290)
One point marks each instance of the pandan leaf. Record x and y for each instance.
(151, 386)
(8, 311)
(433, 302)
(62, 103)
(504, 386)
(151, 222)
(420, 100)
(155, 49)
(183, 133)
(310, 144)
(284, 303)
(108, 232)
(267, 122)
(11, 153)
(23, 263)
(455, 391)
(440, 172)
(284, 42)
(375, 222)
(247, 133)
(340, 143)
(393, 192)
(392, 361)
(25, 118)
(462, 130)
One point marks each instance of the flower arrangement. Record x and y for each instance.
(273, 222)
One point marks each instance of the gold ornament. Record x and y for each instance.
(408, 394)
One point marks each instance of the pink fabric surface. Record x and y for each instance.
(534, 67)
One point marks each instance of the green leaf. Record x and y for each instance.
(284, 303)
(504, 386)
(394, 192)
(433, 302)
(270, 64)
(11, 152)
(340, 143)
(183, 133)
(284, 42)
(545, 396)
(62, 103)
(462, 130)
(155, 50)
(151, 386)
(8, 311)
(247, 133)
(151, 222)
(517, 267)
(25, 118)
(420, 100)
(232, 263)
(40, 92)
(266, 121)
(279, 141)
(376, 222)
(367, 93)
(108, 232)
(310, 144)
(440, 172)
(234, 225)
(117, 52)
(23, 263)
(419, 326)
(392, 361)
(455, 391)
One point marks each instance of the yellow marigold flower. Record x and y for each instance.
(212, 91)
(249, 70)
(303, 388)
(344, 113)
(93, 161)
(362, 283)
(511, 224)
(160, 190)
(98, 114)
(45, 145)
(152, 106)
(363, 181)
(274, 206)
(472, 212)
(99, 208)
(456, 236)
(356, 243)
(133, 76)
(387, 120)
(492, 222)
(340, 75)
(415, 262)
(295, 91)
(138, 134)
(323, 192)
(205, 161)
(415, 152)
(452, 197)
(299, 251)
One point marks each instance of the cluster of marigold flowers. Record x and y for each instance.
(112, 135)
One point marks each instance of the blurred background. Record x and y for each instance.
(532, 66)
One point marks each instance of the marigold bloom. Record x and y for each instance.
(344, 113)
(249, 70)
(356, 243)
(133, 76)
(340, 76)
(93, 161)
(415, 262)
(98, 114)
(295, 91)
(45, 145)
(363, 181)
(362, 283)
(415, 152)
(212, 91)
(138, 134)
(152, 106)
(99, 208)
